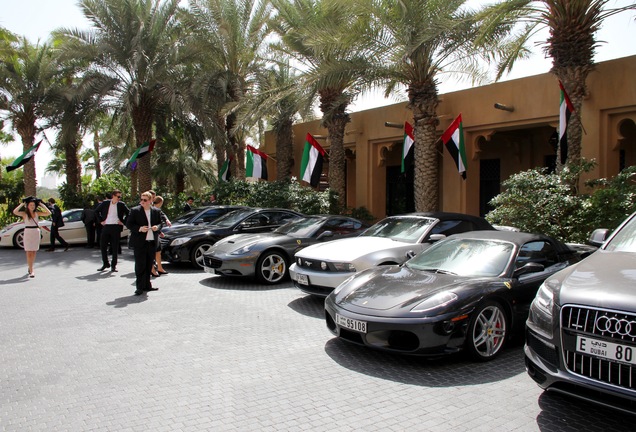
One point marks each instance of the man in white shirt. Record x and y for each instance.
(111, 215)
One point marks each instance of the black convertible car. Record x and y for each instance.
(465, 292)
(267, 255)
(189, 243)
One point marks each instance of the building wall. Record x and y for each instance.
(518, 139)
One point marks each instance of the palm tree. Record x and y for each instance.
(281, 102)
(26, 74)
(324, 37)
(230, 36)
(572, 25)
(417, 42)
(136, 42)
(73, 104)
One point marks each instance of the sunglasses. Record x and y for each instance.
(117, 196)
(145, 200)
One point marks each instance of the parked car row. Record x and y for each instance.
(433, 284)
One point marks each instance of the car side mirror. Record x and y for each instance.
(436, 237)
(598, 237)
(531, 267)
(324, 234)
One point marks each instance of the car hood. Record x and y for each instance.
(398, 287)
(604, 279)
(348, 249)
(187, 230)
(238, 241)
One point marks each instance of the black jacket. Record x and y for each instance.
(101, 212)
(137, 218)
(56, 216)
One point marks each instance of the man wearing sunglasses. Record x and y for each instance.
(111, 215)
(144, 223)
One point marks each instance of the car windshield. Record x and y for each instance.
(232, 218)
(404, 229)
(625, 239)
(304, 227)
(184, 218)
(465, 257)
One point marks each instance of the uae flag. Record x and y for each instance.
(453, 139)
(256, 165)
(26, 156)
(311, 165)
(407, 148)
(141, 152)
(224, 172)
(565, 111)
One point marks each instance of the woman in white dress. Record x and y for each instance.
(30, 210)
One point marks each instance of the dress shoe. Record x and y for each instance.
(154, 274)
(50, 250)
(114, 269)
(31, 275)
(163, 272)
(66, 248)
(138, 293)
(152, 289)
(102, 268)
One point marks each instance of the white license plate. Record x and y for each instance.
(606, 350)
(302, 279)
(351, 324)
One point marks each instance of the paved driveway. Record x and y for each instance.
(79, 352)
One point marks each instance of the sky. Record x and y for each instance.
(35, 19)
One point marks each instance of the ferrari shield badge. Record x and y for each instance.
(508, 285)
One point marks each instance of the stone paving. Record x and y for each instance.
(79, 352)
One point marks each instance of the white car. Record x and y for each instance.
(320, 268)
(73, 230)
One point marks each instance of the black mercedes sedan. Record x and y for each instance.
(466, 292)
(189, 243)
(266, 256)
(202, 215)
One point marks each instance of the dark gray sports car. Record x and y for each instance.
(465, 292)
(267, 255)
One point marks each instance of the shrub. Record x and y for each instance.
(550, 203)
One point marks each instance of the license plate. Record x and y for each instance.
(606, 350)
(302, 279)
(351, 324)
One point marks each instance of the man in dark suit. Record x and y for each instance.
(111, 215)
(98, 225)
(188, 205)
(144, 223)
(57, 222)
(88, 217)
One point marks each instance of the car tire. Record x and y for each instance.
(196, 256)
(272, 267)
(18, 239)
(487, 331)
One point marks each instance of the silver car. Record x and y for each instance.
(319, 268)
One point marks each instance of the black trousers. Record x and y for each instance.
(110, 235)
(144, 260)
(55, 235)
(90, 234)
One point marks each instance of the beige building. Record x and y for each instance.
(498, 142)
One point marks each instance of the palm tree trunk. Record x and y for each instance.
(73, 166)
(142, 122)
(423, 102)
(96, 147)
(573, 80)
(284, 149)
(26, 130)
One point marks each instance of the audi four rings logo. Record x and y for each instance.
(616, 326)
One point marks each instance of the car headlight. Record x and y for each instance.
(179, 241)
(540, 317)
(339, 266)
(436, 301)
(243, 250)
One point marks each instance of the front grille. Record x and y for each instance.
(212, 262)
(604, 325)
